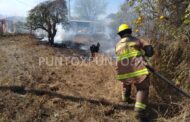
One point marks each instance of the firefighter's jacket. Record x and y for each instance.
(130, 62)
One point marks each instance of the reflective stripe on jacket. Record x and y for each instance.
(131, 66)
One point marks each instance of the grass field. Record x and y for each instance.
(74, 93)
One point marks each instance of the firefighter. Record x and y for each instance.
(131, 69)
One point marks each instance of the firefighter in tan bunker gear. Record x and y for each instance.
(131, 69)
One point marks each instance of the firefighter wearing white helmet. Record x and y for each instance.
(131, 69)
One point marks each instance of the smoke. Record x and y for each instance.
(83, 40)
(63, 35)
(88, 33)
(60, 34)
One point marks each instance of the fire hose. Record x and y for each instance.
(152, 70)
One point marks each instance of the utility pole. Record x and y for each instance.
(69, 9)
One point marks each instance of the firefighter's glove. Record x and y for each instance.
(149, 51)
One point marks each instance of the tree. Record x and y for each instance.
(168, 18)
(46, 16)
(90, 9)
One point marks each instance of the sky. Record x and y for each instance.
(21, 7)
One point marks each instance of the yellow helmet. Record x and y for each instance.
(123, 27)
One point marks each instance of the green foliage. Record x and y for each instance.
(131, 2)
(137, 8)
(44, 13)
(140, 1)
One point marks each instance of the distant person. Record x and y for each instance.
(131, 69)
(94, 49)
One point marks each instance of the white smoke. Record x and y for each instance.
(85, 40)
(107, 43)
(63, 35)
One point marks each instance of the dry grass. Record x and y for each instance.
(172, 60)
(87, 93)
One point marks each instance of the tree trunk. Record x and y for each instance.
(52, 33)
(51, 41)
(50, 38)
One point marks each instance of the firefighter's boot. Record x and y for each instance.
(141, 105)
(142, 116)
